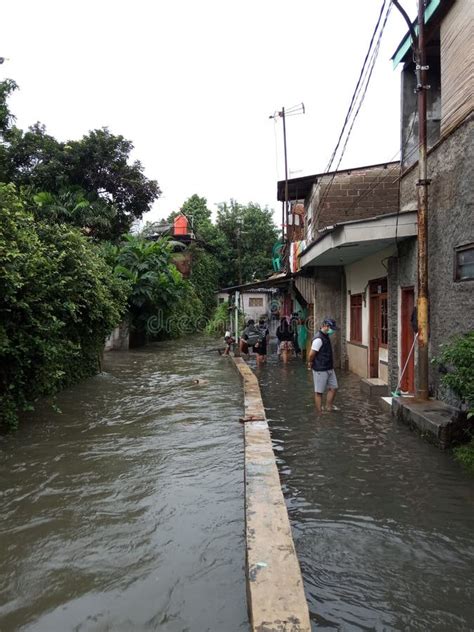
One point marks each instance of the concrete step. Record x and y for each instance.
(439, 423)
(373, 386)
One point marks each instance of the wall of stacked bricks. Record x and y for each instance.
(356, 194)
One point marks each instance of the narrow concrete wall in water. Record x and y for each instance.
(276, 598)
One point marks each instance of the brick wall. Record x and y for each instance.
(354, 194)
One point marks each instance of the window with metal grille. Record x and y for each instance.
(256, 302)
(464, 263)
(356, 317)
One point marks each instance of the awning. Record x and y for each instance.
(345, 243)
(276, 280)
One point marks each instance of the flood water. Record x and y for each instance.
(126, 511)
(383, 522)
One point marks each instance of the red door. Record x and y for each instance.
(407, 336)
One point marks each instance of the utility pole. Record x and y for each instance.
(422, 194)
(239, 259)
(293, 111)
(419, 49)
(285, 218)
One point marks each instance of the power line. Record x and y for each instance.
(355, 93)
(358, 95)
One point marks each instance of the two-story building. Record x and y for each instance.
(357, 260)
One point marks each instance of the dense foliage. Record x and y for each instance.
(70, 272)
(457, 362)
(249, 235)
(58, 302)
(96, 168)
(161, 303)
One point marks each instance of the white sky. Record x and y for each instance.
(192, 84)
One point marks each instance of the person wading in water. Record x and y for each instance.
(321, 362)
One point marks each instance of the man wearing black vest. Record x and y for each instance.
(321, 362)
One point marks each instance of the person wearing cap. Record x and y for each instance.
(321, 362)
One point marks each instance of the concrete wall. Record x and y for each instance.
(255, 311)
(245, 297)
(357, 359)
(409, 108)
(275, 591)
(358, 275)
(401, 273)
(119, 339)
(450, 224)
(329, 303)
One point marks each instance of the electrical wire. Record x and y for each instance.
(365, 81)
(356, 90)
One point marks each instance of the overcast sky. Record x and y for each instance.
(192, 84)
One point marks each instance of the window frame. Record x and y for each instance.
(352, 325)
(256, 298)
(457, 250)
(383, 297)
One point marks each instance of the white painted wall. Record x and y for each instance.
(255, 311)
(250, 311)
(358, 275)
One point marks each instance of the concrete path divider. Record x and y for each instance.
(276, 598)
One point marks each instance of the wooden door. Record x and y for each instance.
(407, 336)
(374, 318)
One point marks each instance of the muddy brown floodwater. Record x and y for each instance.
(126, 511)
(383, 522)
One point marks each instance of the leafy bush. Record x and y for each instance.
(457, 362)
(58, 302)
(219, 321)
(161, 303)
(465, 455)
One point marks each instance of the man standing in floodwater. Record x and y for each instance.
(321, 362)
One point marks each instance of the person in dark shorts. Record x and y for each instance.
(250, 337)
(261, 347)
(294, 322)
(285, 340)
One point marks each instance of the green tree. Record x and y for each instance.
(249, 235)
(74, 207)
(99, 164)
(58, 302)
(161, 303)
